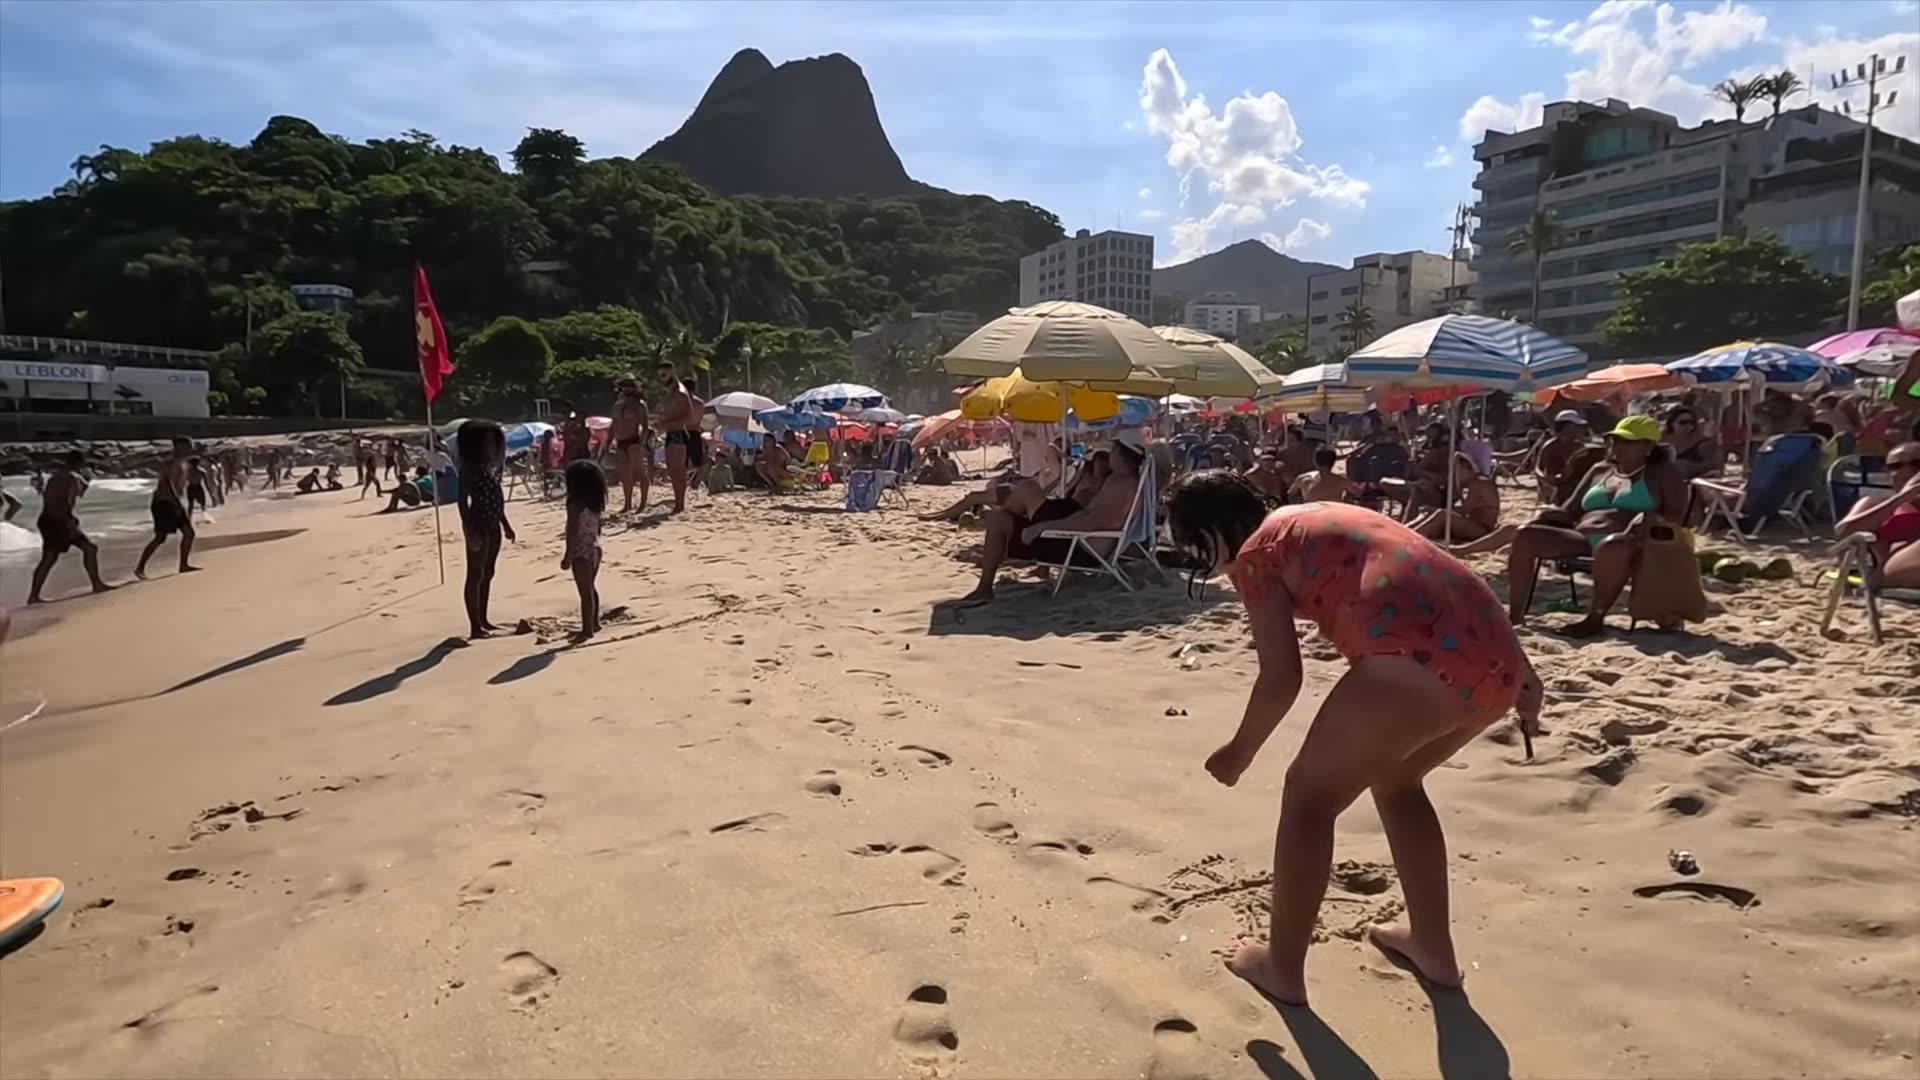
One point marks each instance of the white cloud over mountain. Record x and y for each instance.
(1248, 154)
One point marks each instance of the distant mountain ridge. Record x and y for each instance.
(807, 128)
(1252, 271)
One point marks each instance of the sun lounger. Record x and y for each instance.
(1135, 538)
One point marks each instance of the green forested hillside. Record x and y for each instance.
(168, 246)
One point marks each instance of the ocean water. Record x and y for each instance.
(114, 508)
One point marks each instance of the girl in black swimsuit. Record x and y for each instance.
(482, 448)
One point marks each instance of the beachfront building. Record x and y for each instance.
(1629, 186)
(1809, 198)
(100, 378)
(920, 329)
(1396, 289)
(1221, 314)
(1112, 269)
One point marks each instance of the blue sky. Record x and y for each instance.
(1329, 130)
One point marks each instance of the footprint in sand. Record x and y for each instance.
(1044, 849)
(992, 821)
(1702, 890)
(821, 652)
(1151, 904)
(833, 725)
(734, 639)
(825, 784)
(935, 865)
(932, 759)
(528, 980)
(1177, 1052)
(755, 823)
(481, 889)
(1362, 878)
(526, 802)
(741, 698)
(924, 1030)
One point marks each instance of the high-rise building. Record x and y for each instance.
(1221, 314)
(1810, 198)
(1396, 289)
(1112, 269)
(1629, 186)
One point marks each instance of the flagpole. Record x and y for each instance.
(439, 551)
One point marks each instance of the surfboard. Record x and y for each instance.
(24, 902)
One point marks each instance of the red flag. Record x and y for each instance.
(429, 338)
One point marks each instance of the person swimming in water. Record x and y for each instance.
(1432, 662)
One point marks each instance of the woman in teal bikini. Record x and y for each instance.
(1603, 517)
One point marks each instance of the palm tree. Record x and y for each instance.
(1739, 94)
(1355, 323)
(1779, 87)
(1538, 236)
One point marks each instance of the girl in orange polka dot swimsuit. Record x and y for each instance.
(1433, 660)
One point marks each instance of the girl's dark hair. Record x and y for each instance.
(475, 442)
(1210, 503)
(587, 485)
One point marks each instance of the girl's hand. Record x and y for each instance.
(566, 563)
(1227, 763)
(508, 529)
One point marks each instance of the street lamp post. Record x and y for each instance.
(1869, 74)
(746, 357)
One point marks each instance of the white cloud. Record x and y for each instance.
(1830, 53)
(1491, 114)
(1146, 193)
(1247, 153)
(1540, 23)
(1441, 157)
(1628, 59)
(1149, 215)
(1305, 232)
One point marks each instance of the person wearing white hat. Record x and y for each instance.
(1010, 535)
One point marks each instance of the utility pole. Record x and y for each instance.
(1457, 232)
(1868, 74)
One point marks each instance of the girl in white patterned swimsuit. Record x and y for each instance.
(586, 501)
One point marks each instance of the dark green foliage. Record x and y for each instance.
(1719, 291)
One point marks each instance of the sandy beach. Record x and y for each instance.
(789, 815)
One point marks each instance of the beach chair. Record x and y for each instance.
(1857, 569)
(1137, 538)
(895, 470)
(1780, 483)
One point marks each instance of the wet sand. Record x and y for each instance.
(789, 815)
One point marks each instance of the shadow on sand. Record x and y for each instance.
(526, 666)
(388, 683)
(215, 543)
(1467, 1048)
(1087, 604)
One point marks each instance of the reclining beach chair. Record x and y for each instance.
(1780, 483)
(1136, 538)
(896, 470)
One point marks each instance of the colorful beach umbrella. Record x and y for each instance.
(785, 419)
(1467, 350)
(879, 416)
(1017, 397)
(740, 403)
(1760, 361)
(1620, 379)
(1853, 341)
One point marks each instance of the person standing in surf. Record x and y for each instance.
(482, 449)
(1432, 661)
(680, 419)
(631, 432)
(169, 508)
(59, 525)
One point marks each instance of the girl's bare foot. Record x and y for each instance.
(478, 634)
(1433, 965)
(1253, 962)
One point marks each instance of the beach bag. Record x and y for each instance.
(863, 491)
(1666, 585)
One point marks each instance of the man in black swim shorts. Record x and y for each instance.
(680, 419)
(169, 509)
(631, 452)
(60, 528)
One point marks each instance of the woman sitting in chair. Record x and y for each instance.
(1603, 517)
(1696, 452)
(1476, 508)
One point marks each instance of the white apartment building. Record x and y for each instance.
(1396, 289)
(1112, 269)
(1629, 186)
(1220, 314)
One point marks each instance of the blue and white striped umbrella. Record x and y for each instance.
(1762, 361)
(1134, 412)
(785, 419)
(1320, 388)
(838, 397)
(1467, 350)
